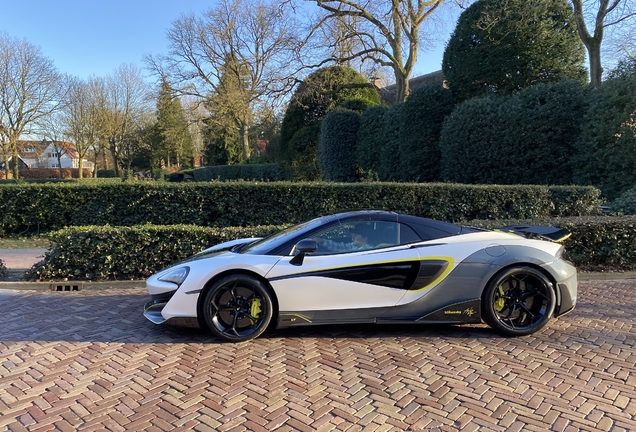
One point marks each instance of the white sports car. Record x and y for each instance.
(370, 267)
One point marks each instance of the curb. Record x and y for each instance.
(65, 286)
(606, 276)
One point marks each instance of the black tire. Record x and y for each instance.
(238, 308)
(519, 301)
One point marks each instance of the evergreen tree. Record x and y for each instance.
(606, 151)
(501, 46)
(174, 142)
(320, 93)
(231, 113)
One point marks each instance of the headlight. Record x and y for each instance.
(176, 276)
(560, 253)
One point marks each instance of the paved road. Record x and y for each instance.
(88, 361)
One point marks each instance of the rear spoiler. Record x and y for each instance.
(532, 231)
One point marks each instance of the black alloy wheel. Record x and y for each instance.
(519, 301)
(238, 308)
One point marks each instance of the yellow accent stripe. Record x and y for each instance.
(563, 238)
(303, 317)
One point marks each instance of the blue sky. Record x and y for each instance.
(95, 37)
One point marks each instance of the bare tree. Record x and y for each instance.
(120, 101)
(387, 33)
(251, 40)
(603, 14)
(81, 119)
(194, 113)
(54, 132)
(5, 148)
(625, 42)
(30, 90)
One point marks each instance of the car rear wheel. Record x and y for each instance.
(238, 308)
(519, 301)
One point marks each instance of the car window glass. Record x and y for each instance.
(265, 245)
(353, 236)
(407, 235)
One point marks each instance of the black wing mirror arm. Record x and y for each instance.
(303, 247)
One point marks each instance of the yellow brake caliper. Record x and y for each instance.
(500, 303)
(255, 309)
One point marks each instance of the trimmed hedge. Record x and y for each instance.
(103, 173)
(42, 208)
(258, 172)
(527, 138)
(98, 253)
(423, 114)
(503, 46)
(54, 173)
(626, 203)
(389, 152)
(337, 145)
(80, 253)
(303, 165)
(370, 142)
(607, 143)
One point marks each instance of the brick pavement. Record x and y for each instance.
(89, 361)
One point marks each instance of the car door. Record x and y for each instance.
(373, 277)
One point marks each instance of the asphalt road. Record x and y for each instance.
(88, 360)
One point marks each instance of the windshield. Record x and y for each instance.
(263, 246)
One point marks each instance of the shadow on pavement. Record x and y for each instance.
(104, 317)
(73, 317)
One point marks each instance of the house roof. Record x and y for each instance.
(68, 148)
(433, 79)
(30, 149)
(24, 148)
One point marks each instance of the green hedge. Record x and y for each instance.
(625, 203)
(80, 253)
(422, 117)
(337, 145)
(527, 138)
(606, 154)
(98, 253)
(43, 208)
(370, 142)
(258, 172)
(389, 152)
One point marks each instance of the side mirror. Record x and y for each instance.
(304, 247)
(307, 245)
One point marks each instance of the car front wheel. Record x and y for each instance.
(237, 308)
(519, 301)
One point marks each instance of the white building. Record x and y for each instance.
(49, 154)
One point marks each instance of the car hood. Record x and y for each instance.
(228, 245)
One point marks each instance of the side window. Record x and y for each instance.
(347, 237)
(407, 235)
(363, 235)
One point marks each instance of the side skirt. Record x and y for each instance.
(468, 312)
